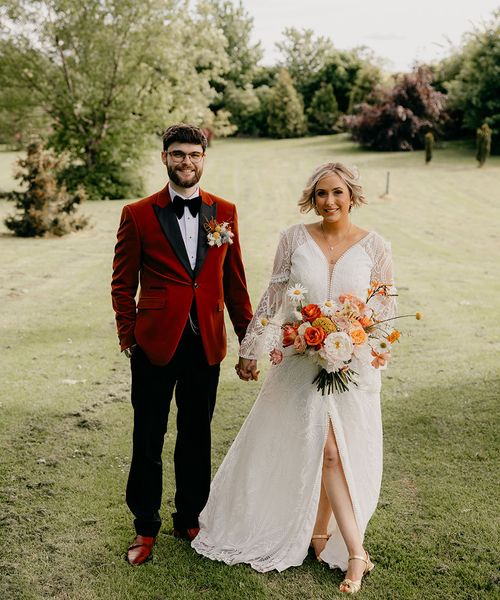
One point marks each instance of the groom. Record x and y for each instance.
(174, 334)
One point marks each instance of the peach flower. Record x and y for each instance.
(276, 356)
(299, 344)
(358, 336)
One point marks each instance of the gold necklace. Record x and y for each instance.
(331, 248)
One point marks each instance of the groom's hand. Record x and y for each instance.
(247, 369)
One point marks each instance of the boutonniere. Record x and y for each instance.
(218, 233)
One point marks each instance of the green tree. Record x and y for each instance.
(323, 111)
(244, 105)
(236, 26)
(285, 116)
(106, 75)
(234, 84)
(303, 55)
(474, 90)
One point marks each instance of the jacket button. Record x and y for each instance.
(195, 285)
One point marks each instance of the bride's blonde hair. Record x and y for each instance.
(349, 176)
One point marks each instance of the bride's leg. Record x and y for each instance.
(340, 501)
(322, 520)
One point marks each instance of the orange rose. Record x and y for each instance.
(289, 335)
(358, 336)
(314, 336)
(311, 312)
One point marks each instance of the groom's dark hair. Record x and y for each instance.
(185, 134)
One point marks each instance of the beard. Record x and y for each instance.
(184, 179)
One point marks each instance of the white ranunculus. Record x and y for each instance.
(337, 350)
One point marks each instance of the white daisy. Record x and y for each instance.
(380, 345)
(296, 293)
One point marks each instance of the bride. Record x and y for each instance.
(305, 469)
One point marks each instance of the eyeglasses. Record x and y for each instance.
(178, 156)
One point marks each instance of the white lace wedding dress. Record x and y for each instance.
(264, 497)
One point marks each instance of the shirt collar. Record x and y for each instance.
(193, 195)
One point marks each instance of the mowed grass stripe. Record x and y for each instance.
(66, 418)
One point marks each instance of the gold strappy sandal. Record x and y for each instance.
(320, 536)
(354, 586)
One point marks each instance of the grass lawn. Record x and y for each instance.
(65, 416)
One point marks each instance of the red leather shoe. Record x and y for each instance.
(140, 551)
(187, 534)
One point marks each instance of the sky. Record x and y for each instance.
(398, 31)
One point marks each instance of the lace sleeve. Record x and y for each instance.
(382, 272)
(264, 329)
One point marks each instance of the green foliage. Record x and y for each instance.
(353, 75)
(429, 146)
(244, 105)
(235, 93)
(314, 62)
(474, 81)
(106, 75)
(45, 207)
(483, 141)
(323, 111)
(304, 55)
(285, 117)
(242, 55)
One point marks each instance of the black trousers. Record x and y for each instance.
(195, 383)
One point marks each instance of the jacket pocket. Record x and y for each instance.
(146, 302)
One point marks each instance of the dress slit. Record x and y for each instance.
(347, 473)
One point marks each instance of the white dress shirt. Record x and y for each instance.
(189, 227)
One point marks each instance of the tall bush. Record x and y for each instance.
(285, 117)
(323, 112)
(483, 141)
(45, 207)
(429, 146)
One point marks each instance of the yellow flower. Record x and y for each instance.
(325, 323)
(216, 235)
(218, 228)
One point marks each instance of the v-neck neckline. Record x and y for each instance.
(331, 266)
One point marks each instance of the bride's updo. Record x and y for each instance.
(349, 176)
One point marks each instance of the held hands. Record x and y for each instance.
(246, 369)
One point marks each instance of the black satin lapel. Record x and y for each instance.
(206, 213)
(170, 225)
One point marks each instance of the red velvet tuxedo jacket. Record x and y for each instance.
(150, 253)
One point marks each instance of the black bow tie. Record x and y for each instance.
(180, 204)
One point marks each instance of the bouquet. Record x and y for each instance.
(334, 333)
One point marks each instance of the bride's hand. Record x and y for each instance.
(247, 369)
